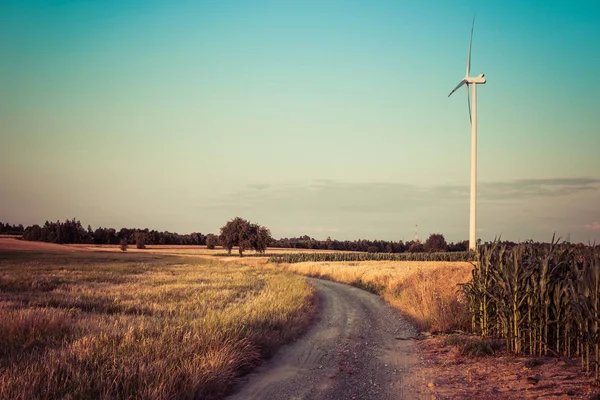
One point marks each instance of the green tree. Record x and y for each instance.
(416, 247)
(140, 239)
(260, 238)
(234, 233)
(436, 243)
(33, 233)
(329, 243)
(245, 235)
(211, 241)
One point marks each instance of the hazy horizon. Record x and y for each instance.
(309, 118)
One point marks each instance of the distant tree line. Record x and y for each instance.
(7, 229)
(435, 243)
(236, 233)
(71, 231)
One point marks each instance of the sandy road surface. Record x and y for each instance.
(355, 350)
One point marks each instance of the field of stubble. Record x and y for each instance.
(125, 325)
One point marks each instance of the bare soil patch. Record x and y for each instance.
(445, 373)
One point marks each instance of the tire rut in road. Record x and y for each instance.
(351, 352)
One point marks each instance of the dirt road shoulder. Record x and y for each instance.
(357, 349)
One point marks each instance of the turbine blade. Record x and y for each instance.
(469, 102)
(457, 86)
(470, 45)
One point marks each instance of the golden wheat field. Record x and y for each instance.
(132, 325)
(426, 292)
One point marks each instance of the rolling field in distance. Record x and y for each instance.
(83, 324)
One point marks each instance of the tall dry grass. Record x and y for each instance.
(426, 292)
(90, 325)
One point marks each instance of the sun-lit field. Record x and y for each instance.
(424, 291)
(84, 324)
(176, 321)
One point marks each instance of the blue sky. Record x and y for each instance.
(319, 118)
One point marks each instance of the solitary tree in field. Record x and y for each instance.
(436, 243)
(234, 232)
(245, 235)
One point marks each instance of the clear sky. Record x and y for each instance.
(326, 118)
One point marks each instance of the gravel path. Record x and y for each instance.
(358, 349)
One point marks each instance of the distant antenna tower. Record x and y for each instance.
(416, 232)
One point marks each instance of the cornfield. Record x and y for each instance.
(246, 254)
(349, 257)
(540, 299)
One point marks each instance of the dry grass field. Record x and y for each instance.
(81, 321)
(82, 324)
(426, 292)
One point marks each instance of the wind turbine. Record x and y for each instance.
(473, 81)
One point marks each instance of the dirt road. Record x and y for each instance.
(357, 349)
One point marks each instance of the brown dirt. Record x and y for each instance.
(446, 374)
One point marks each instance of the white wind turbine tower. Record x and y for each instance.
(473, 81)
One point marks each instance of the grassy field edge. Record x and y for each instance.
(100, 325)
(426, 293)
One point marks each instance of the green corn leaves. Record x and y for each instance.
(350, 257)
(542, 299)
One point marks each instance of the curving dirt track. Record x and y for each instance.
(358, 349)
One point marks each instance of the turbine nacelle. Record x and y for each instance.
(478, 80)
(469, 81)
